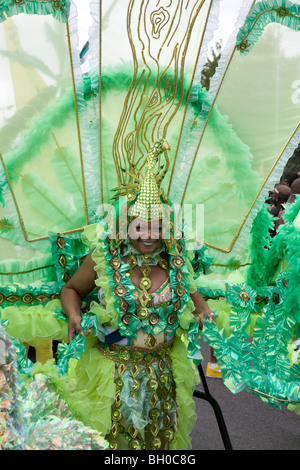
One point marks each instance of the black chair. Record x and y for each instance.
(206, 395)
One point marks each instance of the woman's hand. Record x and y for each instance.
(77, 288)
(211, 317)
(207, 315)
(74, 326)
(202, 310)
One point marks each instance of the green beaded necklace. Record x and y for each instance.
(152, 320)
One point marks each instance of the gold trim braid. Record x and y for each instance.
(135, 354)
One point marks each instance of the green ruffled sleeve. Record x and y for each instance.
(35, 324)
(191, 281)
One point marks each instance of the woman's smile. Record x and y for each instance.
(146, 236)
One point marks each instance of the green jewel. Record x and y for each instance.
(134, 444)
(135, 385)
(57, 5)
(142, 313)
(145, 283)
(163, 379)
(178, 261)
(116, 415)
(154, 413)
(282, 12)
(155, 443)
(245, 296)
(26, 298)
(120, 291)
(152, 384)
(148, 357)
(113, 445)
(119, 383)
(180, 291)
(124, 354)
(166, 406)
(154, 319)
(115, 263)
(137, 356)
(131, 196)
(244, 45)
(161, 353)
(172, 318)
(168, 434)
(126, 318)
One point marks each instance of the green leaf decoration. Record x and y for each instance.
(45, 200)
(68, 169)
(28, 60)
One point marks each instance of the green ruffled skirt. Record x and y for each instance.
(148, 406)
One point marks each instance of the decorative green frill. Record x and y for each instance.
(58, 8)
(262, 366)
(262, 14)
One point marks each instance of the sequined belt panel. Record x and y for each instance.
(135, 354)
(144, 412)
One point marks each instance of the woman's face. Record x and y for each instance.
(145, 236)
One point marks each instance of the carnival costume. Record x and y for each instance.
(142, 82)
(139, 368)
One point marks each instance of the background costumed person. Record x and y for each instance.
(146, 326)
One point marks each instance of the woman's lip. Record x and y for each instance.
(147, 243)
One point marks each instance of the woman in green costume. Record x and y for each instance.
(137, 375)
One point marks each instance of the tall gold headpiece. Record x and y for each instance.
(148, 205)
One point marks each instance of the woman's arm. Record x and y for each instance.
(202, 310)
(74, 291)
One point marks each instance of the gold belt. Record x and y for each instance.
(135, 354)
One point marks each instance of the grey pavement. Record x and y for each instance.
(251, 423)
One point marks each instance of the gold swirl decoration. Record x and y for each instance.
(159, 19)
(159, 33)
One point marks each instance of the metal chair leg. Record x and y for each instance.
(206, 395)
